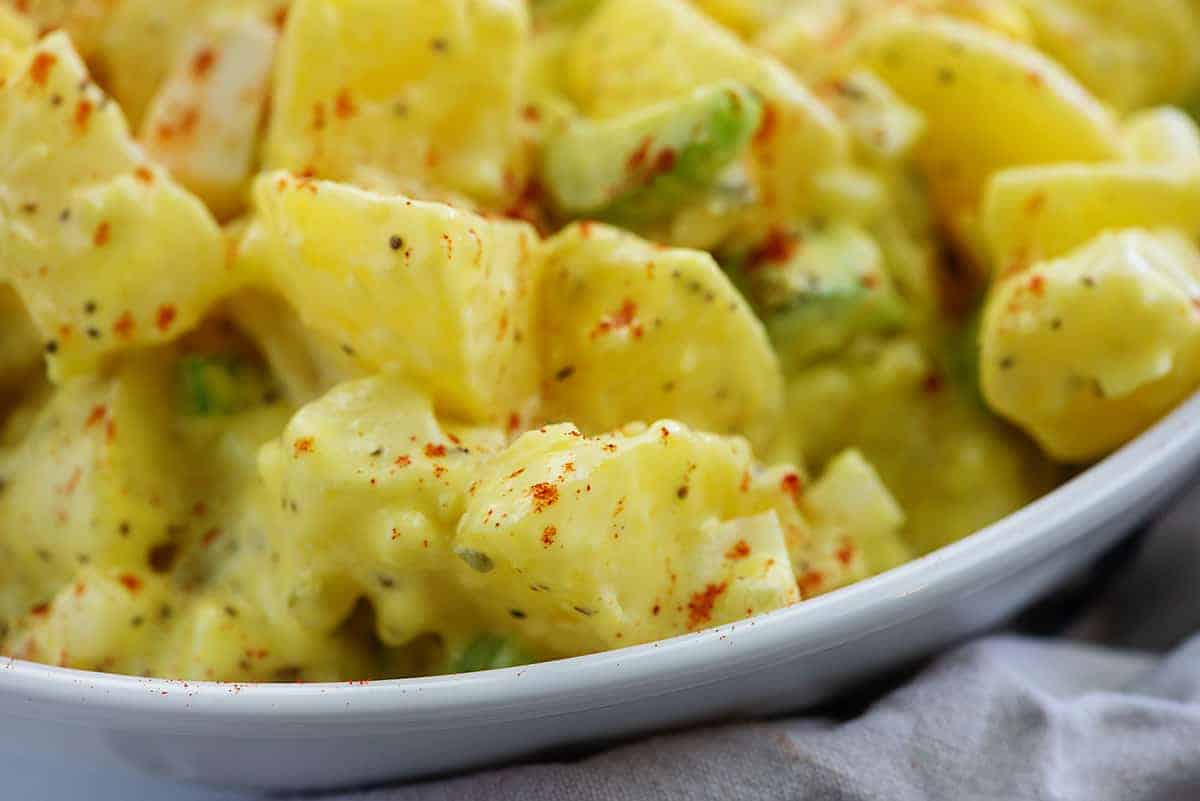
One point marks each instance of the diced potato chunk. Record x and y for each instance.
(418, 96)
(204, 121)
(1036, 213)
(850, 504)
(368, 485)
(91, 482)
(1085, 351)
(86, 225)
(633, 53)
(632, 331)
(594, 543)
(982, 95)
(133, 43)
(442, 293)
(1131, 54)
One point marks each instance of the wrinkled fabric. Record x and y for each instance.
(1107, 710)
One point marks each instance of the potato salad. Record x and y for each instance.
(353, 339)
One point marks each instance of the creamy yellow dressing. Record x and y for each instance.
(343, 339)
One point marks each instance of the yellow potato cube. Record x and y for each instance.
(418, 96)
(203, 123)
(1085, 351)
(587, 543)
(441, 293)
(88, 226)
(633, 331)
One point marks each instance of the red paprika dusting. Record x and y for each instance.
(664, 162)
(123, 327)
(792, 485)
(701, 604)
(845, 554)
(745, 485)
(810, 582)
(40, 610)
(933, 383)
(95, 415)
(39, 68)
(302, 445)
(548, 535)
(740, 550)
(433, 451)
(164, 317)
(110, 430)
(203, 62)
(869, 280)
(1037, 284)
(318, 116)
(402, 461)
(438, 471)
(143, 174)
(528, 206)
(83, 113)
(516, 472)
(656, 609)
(279, 18)
(531, 113)
(620, 319)
(102, 234)
(514, 423)
(766, 128)
(210, 537)
(72, 482)
(80, 588)
(637, 159)
(1035, 203)
(130, 582)
(778, 247)
(343, 105)
(544, 495)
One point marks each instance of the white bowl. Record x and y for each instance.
(310, 736)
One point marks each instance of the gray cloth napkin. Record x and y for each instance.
(1108, 709)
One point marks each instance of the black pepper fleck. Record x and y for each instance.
(395, 242)
(564, 373)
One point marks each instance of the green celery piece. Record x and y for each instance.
(488, 652)
(212, 386)
(643, 166)
(817, 288)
